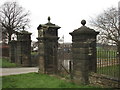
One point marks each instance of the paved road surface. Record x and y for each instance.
(12, 71)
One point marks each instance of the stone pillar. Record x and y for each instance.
(48, 45)
(12, 51)
(24, 48)
(83, 53)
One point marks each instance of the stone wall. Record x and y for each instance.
(104, 81)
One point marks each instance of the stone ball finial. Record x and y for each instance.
(13, 38)
(83, 22)
(49, 19)
(23, 27)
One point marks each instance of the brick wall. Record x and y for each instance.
(4, 50)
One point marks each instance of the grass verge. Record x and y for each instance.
(7, 64)
(36, 80)
(113, 71)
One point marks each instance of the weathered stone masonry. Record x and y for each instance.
(48, 45)
(83, 53)
(104, 81)
(20, 50)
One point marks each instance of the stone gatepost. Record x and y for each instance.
(24, 48)
(83, 53)
(48, 45)
(12, 50)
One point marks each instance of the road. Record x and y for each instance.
(13, 71)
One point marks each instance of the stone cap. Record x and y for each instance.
(48, 38)
(84, 30)
(42, 26)
(49, 25)
(24, 32)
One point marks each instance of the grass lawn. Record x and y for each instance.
(113, 71)
(36, 80)
(6, 63)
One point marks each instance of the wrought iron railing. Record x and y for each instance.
(108, 62)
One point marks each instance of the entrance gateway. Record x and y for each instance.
(83, 51)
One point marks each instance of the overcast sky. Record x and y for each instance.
(65, 13)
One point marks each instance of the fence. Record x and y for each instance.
(108, 61)
(108, 66)
(64, 59)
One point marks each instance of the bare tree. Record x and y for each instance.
(12, 18)
(108, 25)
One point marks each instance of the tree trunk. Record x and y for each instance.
(9, 38)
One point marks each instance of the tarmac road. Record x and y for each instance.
(14, 71)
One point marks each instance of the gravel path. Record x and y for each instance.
(13, 71)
